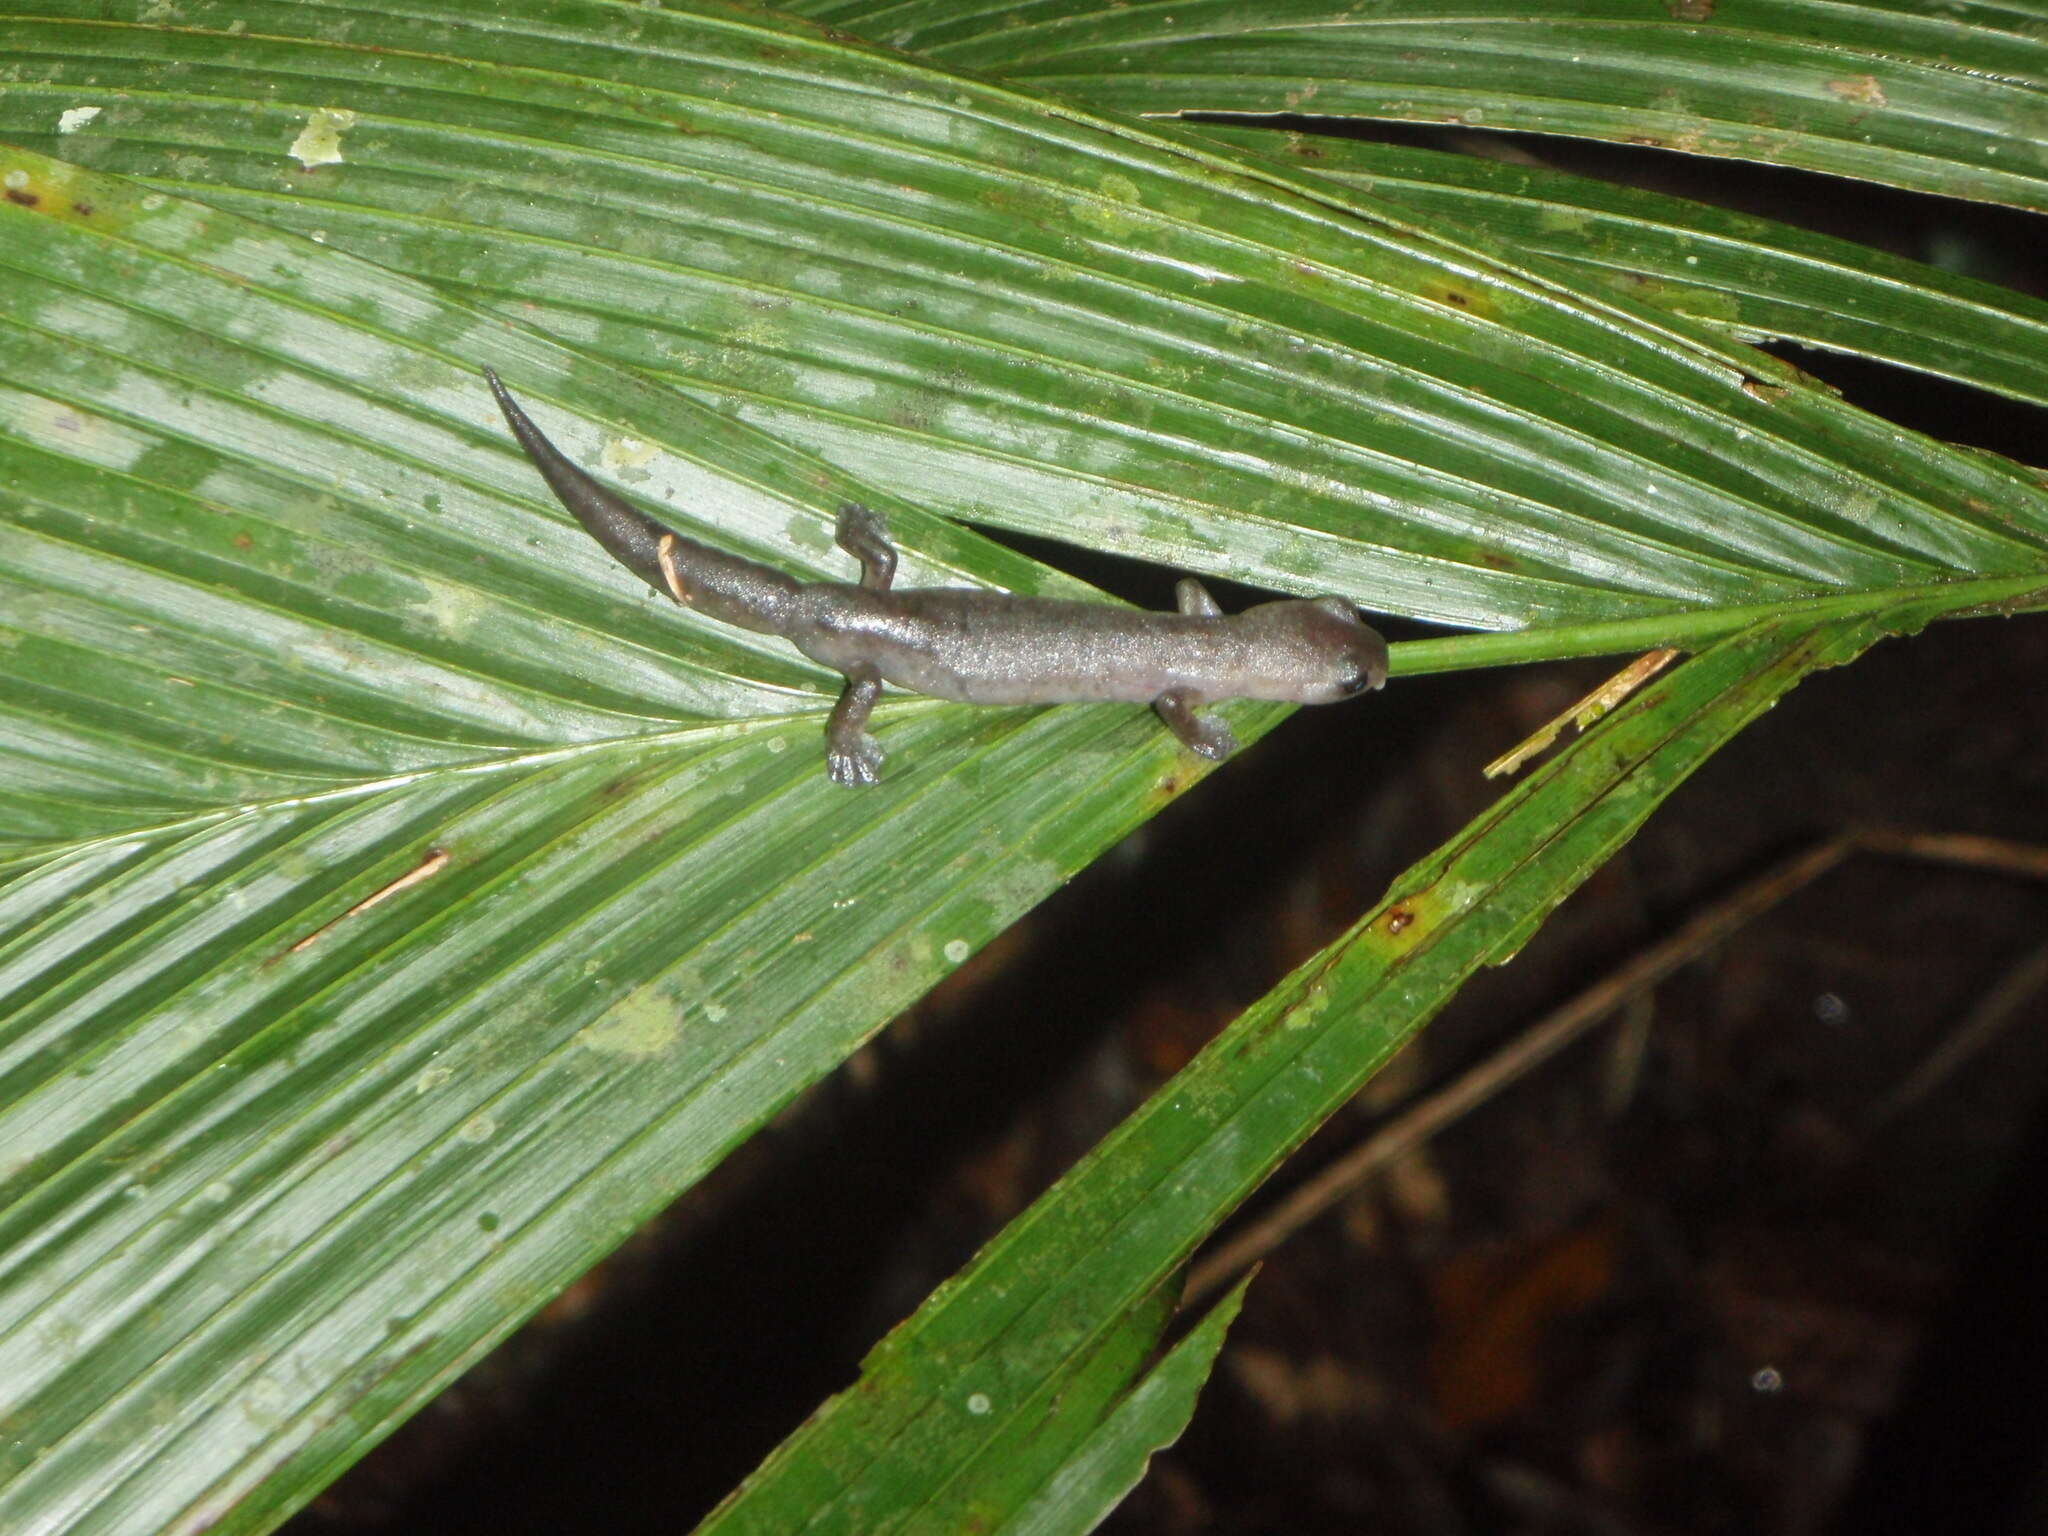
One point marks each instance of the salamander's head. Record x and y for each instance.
(1330, 653)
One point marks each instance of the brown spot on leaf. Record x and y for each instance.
(1861, 89)
(26, 199)
(1460, 296)
(1169, 784)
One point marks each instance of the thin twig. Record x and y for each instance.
(2027, 860)
(1983, 1024)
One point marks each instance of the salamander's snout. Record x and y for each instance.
(1359, 650)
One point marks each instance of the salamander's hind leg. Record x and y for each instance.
(865, 536)
(1198, 733)
(852, 756)
(1194, 599)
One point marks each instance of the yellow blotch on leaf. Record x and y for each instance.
(645, 1022)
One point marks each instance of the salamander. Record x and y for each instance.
(980, 647)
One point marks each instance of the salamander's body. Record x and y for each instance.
(981, 647)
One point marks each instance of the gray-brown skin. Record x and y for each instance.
(975, 646)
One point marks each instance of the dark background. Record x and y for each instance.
(1701, 1273)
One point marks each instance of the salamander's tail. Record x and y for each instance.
(727, 587)
(628, 535)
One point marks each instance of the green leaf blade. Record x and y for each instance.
(313, 1086)
(1072, 327)
(1744, 276)
(1886, 92)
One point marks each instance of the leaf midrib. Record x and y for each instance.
(895, 706)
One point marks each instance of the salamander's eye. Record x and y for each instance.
(1360, 679)
(1368, 662)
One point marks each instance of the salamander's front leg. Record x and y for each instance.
(852, 756)
(865, 536)
(1193, 598)
(1198, 733)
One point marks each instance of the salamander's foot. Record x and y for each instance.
(1191, 597)
(858, 765)
(862, 534)
(1212, 738)
(1198, 733)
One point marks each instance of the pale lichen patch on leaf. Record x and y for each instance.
(450, 609)
(627, 453)
(319, 142)
(643, 1023)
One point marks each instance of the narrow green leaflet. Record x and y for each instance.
(1095, 1479)
(1747, 277)
(1005, 309)
(1950, 99)
(1060, 1462)
(398, 907)
(955, 1380)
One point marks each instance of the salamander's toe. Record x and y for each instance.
(860, 766)
(1215, 741)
